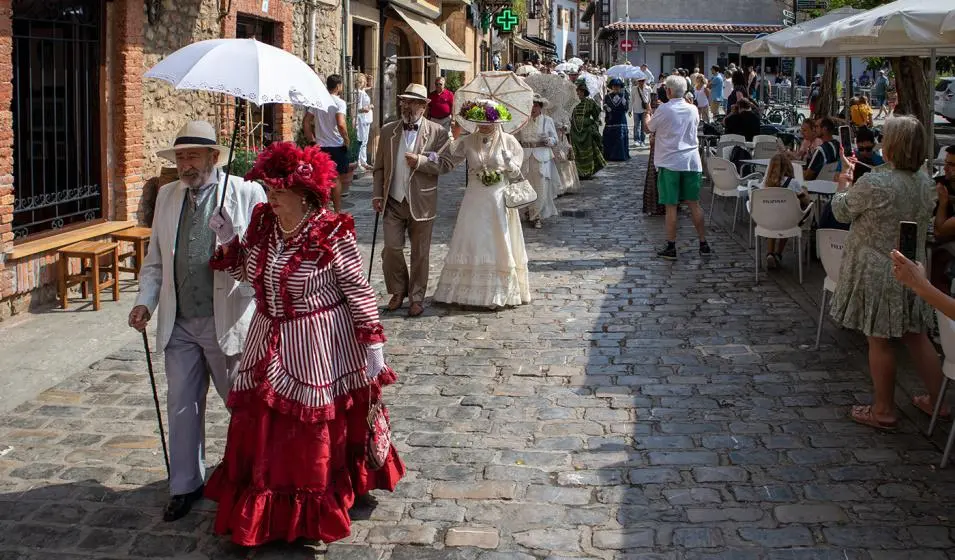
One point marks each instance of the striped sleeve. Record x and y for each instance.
(347, 265)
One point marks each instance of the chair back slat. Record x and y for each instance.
(831, 243)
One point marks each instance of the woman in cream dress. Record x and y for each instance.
(538, 138)
(486, 265)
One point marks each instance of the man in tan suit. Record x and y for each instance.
(409, 158)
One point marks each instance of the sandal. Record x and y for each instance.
(862, 414)
(923, 403)
(770, 261)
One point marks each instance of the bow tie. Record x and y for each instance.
(407, 126)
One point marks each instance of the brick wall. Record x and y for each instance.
(128, 162)
(6, 145)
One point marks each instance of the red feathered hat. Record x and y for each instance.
(283, 165)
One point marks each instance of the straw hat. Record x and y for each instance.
(195, 134)
(415, 92)
(541, 100)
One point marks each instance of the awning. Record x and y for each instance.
(448, 54)
(589, 11)
(524, 44)
(545, 45)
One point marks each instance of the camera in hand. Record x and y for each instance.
(909, 240)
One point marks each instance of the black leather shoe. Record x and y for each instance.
(180, 505)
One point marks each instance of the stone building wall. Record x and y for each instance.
(6, 145)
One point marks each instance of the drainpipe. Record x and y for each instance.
(312, 27)
(346, 58)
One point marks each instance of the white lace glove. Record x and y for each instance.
(375, 360)
(221, 224)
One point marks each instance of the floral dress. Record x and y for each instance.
(295, 453)
(868, 298)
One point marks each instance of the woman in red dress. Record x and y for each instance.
(295, 454)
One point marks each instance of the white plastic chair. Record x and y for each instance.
(726, 183)
(732, 138)
(946, 330)
(830, 243)
(766, 138)
(765, 150)
(777, 215)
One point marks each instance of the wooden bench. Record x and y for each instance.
(89, 253)
(139, 237)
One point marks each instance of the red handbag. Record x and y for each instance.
(379, 432)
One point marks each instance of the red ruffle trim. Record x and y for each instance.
(281, 480)
(370, 333)
(264, 392)
(222, 261)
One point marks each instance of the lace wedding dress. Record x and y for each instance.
(486, 265)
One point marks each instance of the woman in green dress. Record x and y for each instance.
(585, 134)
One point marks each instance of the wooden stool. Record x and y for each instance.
(89, 253)
(139, 237)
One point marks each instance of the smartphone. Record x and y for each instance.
(909, 240)
(845, 137)
(859, 170)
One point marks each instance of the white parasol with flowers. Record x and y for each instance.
(494, 98)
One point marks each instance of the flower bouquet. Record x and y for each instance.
(490, 178)
(484, 111)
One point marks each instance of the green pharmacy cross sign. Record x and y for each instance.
(506, 21)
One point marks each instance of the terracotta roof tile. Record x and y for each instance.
(681, 27)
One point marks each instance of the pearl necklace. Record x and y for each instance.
(289, 232)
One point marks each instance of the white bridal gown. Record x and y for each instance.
(486, 264)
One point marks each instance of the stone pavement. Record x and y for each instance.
(636, 409)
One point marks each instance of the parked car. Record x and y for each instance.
(945, 98)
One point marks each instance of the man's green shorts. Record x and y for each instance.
(674, 187)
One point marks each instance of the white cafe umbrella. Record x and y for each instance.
(505, 88)
(245, 69)
(904, 27)
(778, 43)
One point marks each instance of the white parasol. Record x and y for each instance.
(561, 94)
(595, 84)
(505, 88)
(526, 70)
(245, 69)
(576, 61)
(622, 71)
(567, 67)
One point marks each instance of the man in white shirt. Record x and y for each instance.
(329, 130)
(677, 159)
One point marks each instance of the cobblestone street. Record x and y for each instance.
(637, 409)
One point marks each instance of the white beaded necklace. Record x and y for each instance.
(289, 232)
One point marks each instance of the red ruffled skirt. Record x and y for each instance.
(284, 479)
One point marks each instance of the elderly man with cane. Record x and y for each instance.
(411, 155)
(203, 315)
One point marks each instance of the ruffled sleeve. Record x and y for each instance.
(347, 264)
(232, 256)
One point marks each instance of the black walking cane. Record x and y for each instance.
(374, 237)
(152, 381)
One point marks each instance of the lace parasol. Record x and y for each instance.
(559, 91)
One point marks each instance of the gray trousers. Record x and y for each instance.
(192, 356)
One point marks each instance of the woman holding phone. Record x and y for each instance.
(868, 298)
